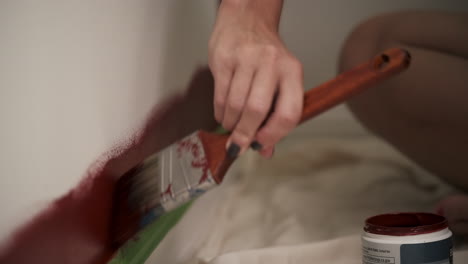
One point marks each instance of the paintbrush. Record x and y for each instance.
(199, 162)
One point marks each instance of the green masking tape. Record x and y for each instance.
(220, 130)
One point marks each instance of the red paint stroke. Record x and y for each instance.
(203, 164)
(198, 162)
(168, 191)
(74, 229)
(77, 227)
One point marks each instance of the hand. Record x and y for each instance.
(251, 66)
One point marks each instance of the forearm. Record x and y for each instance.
(261, 12)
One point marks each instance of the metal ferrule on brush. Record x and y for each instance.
(182, 174)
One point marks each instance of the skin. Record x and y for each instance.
(423, 112)
(251, 66)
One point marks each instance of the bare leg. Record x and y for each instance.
(424, 111)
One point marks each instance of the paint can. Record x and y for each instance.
(407, 238)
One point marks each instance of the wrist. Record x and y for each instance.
(263, 13)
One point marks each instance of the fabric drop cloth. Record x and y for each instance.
(306, 205)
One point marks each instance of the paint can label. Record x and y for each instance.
(438, 252)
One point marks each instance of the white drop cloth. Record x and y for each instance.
(307, 205)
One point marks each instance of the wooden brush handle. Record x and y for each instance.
(354, 81)
(318, 100)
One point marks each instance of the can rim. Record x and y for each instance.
(405, 223)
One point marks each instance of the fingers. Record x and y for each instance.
(222, 74)
(288, 109)
(237, 96)
(256, 108)
(246, 81)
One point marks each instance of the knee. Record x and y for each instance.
(366, 40)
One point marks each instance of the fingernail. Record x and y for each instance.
(256, 146)
(233, 151)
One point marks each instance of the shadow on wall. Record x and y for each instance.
(184, 48)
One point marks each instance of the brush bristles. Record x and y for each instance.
(136, 192)
(145, 188)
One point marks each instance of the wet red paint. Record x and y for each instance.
(168, 190)
(199, 161)
(167, 123)
(79, 227)
(74, 229)
(86, 225)
(404, 224)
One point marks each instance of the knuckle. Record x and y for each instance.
(243, 134)
(219, 102)
(288, 119)
(234, 106)
(292, 65)
(228, 125)
(296, 66)
(258, 110)
(246, 55)
(246, 50)
(221, 82)
(271, 52)
(220, 57)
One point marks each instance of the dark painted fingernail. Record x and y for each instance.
(233, 151)
(256, 146)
